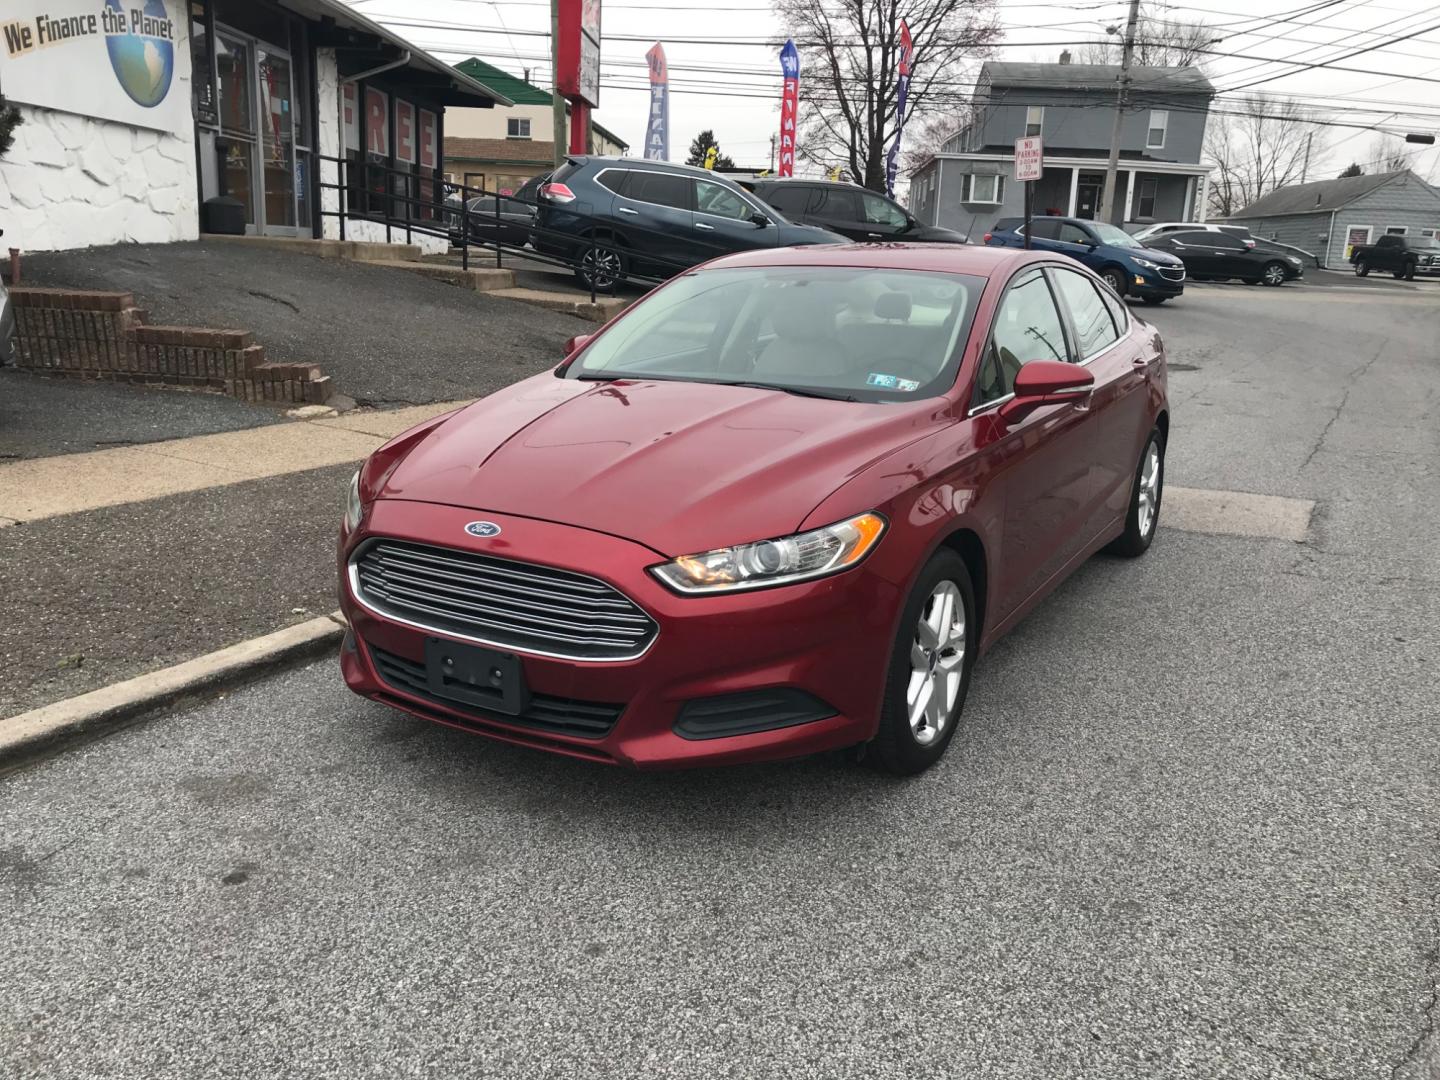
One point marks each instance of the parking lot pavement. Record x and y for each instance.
(1188, 829)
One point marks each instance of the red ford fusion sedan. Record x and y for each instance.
(780, 505)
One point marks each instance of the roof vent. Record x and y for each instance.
(1065, 56)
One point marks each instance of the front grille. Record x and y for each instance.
(556, 715)
(500, 602)
(1174, 273)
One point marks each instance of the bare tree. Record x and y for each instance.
(850, 59)
(1261, 145)
(1388, 154)
(926, 135)
(1160, 41)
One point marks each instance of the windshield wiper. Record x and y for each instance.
(797, 391)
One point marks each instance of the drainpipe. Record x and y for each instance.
(391, 66)
(1330, 239)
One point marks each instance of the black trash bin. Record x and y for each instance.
(224, 214)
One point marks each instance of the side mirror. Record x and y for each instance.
(576, 343)
(759, 220)
(1046, 382)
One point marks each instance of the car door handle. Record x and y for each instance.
(1142, 361)
(702, 225)
(873, 235)
(626, 210)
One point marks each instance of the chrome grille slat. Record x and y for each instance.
(500, 602)
(619, 616)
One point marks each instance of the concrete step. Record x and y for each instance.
(602, 311)
(361, 250)
(479, 279)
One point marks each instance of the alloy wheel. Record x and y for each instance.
(1149, 501)
(937, 663)
(1274, 274)
(601, 266)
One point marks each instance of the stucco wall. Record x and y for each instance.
(74, 181)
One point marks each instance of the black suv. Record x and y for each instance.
(851, 211)
(1217, 256)
(614, 218)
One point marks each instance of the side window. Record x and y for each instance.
(612, 180)
(659, 188)
(1191, 239)
(837, 204)
(1225, 242)
(716, 199)
(1094, 328)
(1118, 311)
(1073, 234)
(1389, 241)
(880, 211)
(789, 199)
(1027, 327)
(1044, 228)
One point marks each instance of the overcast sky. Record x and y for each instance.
(734, 89)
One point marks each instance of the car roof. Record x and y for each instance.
(645, 163)
(937, 258)
(812, 181)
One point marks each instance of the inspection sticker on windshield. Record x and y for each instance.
(891, 382)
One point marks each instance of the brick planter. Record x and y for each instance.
(102, 335)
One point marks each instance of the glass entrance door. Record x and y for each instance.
(274, 79)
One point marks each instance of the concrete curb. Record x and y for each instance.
(109, 708)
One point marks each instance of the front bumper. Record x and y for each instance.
(829, 639)
(1150, 283)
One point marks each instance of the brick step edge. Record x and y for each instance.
(103, 335)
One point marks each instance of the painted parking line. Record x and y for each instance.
(73, 483)
(1236, 513)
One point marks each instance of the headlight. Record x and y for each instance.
(352, 503)
(1147, 264)
(775, 562)
(1293, 259)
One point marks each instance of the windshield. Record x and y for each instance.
(863, 334)
(1114, 236)
(1429, 243)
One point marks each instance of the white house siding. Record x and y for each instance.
(73, 181)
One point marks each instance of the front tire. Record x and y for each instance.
(1112, 276)
(1362, 268)
(1153, 300)
(1144, 513)
(1408, 273)
(1273, 274)
(930, 668)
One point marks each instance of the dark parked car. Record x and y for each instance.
(1216, 256)
(511, 226)
(851, 211)
(617, 217)
(1123, 262)
(1403, 256)
(779, 506)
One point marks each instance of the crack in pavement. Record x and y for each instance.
(1425, 1038)
(1350, 382)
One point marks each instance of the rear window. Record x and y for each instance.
(863, 332)
(614, 180)
(789, 199)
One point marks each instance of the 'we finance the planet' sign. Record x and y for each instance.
(121, 60)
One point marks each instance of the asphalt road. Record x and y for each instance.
(1189, 827)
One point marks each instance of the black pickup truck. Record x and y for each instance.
(1403, 256)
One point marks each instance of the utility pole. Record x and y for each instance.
(1122, 98)
(772, 153)
(1305, 168)
(557, 103)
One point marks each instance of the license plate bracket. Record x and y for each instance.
(484, 678)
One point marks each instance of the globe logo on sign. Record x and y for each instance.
(144, 61)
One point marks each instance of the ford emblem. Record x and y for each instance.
(483, 528)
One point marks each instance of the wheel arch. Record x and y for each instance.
(966, 543)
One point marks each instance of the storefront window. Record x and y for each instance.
(232, 61)
(238, 174)
(277, 140)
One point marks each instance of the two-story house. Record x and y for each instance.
(969, 184)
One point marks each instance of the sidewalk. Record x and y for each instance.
(127, 560)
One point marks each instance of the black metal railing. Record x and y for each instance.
(600, 249)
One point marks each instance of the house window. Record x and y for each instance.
(517, 128)
(1396, 230)
(1145, 199)
(982, 189)
(1034, 120)
(1155, 136)
(1427, 232)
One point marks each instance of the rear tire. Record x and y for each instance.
(606, 264)
(1113, 277)
(1147, 491)
(1362, 268)
(930, 667)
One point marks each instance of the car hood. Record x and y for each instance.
(932, 234)
(679, 467)
(791, 235)
(1155, 255)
